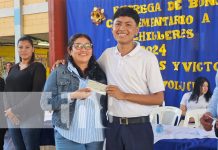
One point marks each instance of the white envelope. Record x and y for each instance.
(97, 87)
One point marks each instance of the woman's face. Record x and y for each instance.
(81, 51)
(25, 50)
(204, 88)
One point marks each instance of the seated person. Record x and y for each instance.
(198, 98)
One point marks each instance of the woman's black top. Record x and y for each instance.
(23, 89)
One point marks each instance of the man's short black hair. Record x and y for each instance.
(129, 12)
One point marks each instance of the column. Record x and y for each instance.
(57, 30)
(18, 24)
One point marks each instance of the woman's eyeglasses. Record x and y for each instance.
(80, 46)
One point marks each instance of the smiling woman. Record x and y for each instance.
(67, 86)
(22, 106)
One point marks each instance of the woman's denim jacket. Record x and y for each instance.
(55, 96)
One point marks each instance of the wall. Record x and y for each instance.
(35, 17)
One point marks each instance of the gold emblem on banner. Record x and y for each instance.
(97, 15)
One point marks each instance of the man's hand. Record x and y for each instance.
(216, 124)
(206, 121)
(81, 94)
(57, 63)
(115, 92)
(10, 115)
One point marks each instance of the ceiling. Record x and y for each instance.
(9, 40)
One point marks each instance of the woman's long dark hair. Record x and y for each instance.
(92, 61)
(197, 90)
(29, 39)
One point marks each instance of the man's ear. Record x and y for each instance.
(137, 30)
(112, 28)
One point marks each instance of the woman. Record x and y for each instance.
(198, 98)
(78, 113)
(24, 83)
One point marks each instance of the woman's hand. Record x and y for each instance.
(217, 124)
(81, 94)
(10, 115)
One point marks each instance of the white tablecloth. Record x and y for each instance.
(179, 132)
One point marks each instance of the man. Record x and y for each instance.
(212, 111)
(134, 86)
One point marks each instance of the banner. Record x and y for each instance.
(183, 34)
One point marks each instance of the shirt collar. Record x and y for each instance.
(71, 68)
(133, 52)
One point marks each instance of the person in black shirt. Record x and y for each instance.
(2, 84)
(24, 85)
(3, 128)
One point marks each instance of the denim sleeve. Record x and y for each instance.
(212, 108)
(51, 99)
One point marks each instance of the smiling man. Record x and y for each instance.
(135, 85)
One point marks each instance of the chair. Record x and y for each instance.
(167, 115)
(196, 115)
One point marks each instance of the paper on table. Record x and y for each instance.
(204, 133)
(97, 87)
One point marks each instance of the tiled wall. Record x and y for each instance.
(6, 3)
(35, 23)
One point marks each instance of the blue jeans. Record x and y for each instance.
(25, 139)
(65, 144)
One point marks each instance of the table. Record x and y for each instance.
(184, 138)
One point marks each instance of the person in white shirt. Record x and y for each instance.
(197, 99)
(135, 85)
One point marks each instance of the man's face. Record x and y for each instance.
(124, 29)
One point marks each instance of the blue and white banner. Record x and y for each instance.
(183, 34)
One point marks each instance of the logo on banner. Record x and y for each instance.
(97, 15)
